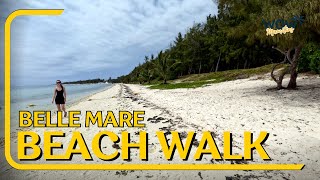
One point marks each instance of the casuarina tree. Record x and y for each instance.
(253, 15)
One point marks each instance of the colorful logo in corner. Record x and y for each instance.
(282, 26)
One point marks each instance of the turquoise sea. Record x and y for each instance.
(40, 98)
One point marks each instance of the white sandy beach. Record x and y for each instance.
(291, 117)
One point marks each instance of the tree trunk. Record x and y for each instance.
(212, 67)
(200, 68)
(189, 70)
(164, 81)
(293, 69)
(217, 66)
(245, 64)
(281, 76)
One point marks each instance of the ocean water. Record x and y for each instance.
(41, 98)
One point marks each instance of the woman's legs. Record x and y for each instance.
(64, 110)
(58, 106)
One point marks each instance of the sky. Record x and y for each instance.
(93, 39)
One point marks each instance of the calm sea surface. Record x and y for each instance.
(41, 97)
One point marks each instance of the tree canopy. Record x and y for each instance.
(236, 38)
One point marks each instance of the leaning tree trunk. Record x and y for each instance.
(212, 67)
(293, 69)
(281, 76)
(217, 66)
(200, 67)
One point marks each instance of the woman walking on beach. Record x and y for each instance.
(60, 97)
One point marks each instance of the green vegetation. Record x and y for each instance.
(162, 66)
(89, 81)
(198, 80)
(310, 58)
(236, 39)
(180, 85)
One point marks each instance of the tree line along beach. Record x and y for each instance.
(236, 106)
(224, 74)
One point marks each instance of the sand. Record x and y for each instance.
(291, 118)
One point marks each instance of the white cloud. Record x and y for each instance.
(92, 37)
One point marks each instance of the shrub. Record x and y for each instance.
(310, 58)
(315, 62)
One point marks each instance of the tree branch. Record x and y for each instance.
(274, 67)
(288, 55)
(282, 52)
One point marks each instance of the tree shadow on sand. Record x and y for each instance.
(306, 94)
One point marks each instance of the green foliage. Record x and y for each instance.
(304, 62)
(179, 85)
(310, 58)
(199, 80)
(235, 38)
(315, 62)
(89, 81)
(163, 65)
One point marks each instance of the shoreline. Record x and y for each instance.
(236, 106)
(68, 105)
(87, 97)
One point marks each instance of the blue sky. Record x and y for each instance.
(94, 39)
